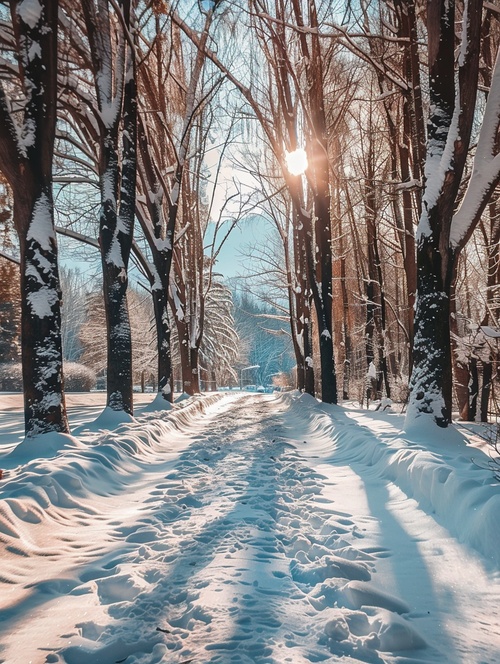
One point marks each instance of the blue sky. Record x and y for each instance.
(250, 230)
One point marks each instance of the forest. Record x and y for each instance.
(365, 133)
(249, 324)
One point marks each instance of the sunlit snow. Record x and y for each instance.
(246, 528)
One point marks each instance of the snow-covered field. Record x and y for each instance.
(247, 528)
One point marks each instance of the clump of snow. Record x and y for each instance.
(30, 12)
(182, 397)
(159, 403)
(44, 445)
(492, 332)
(108, 419)
(486, 165)
(41, 230)
(42, 301)
(358, 635)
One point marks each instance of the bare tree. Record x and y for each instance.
(10, 293)
(164, 142)
(113, 68)
(452, 102)
(28, 101)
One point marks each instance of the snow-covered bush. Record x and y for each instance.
(11, 377)
(78, 377)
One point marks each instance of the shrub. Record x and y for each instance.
(11, 377)
(78, 377)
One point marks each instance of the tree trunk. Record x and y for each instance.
(345, 320)
(161, 252)
(375, 305)
(296, 317)
(486, 390)
(119, 357)
(41, 350)
(27, 166)
(163, 337)
(117, 102)
(323, 298)
(177, 303)
(114, 246)
(460, 368)
(452, 102)
(194, 369)
(431, 380)
(119, 369)
(303, 303)
(318, 174)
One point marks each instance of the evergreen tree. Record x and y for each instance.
(265, 343)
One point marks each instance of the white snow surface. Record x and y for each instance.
(241, 527)
(41, 228)
(30, 12)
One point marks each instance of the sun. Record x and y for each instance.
(296, 161)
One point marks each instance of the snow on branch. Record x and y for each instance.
(9, 257)
(486, 168)
(86, 239)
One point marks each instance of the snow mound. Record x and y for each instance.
(108, 419)
(43, 445)
(240, 528)
(159, 403)
(183, 397)
(447, 477)
(357, 635)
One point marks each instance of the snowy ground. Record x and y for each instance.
(247, 528)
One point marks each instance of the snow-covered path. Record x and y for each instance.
(258, 529)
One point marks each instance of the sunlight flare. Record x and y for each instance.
(296, 161)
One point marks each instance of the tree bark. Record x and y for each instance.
(303, 299)
(449, 130)
(26, 160)
(318, 175)
(114, 73)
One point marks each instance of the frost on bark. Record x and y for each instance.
(152, 222)
(452, 103)
(119, 371)
(26, 160)
(300, 304)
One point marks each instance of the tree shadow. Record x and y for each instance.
(412, 578)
